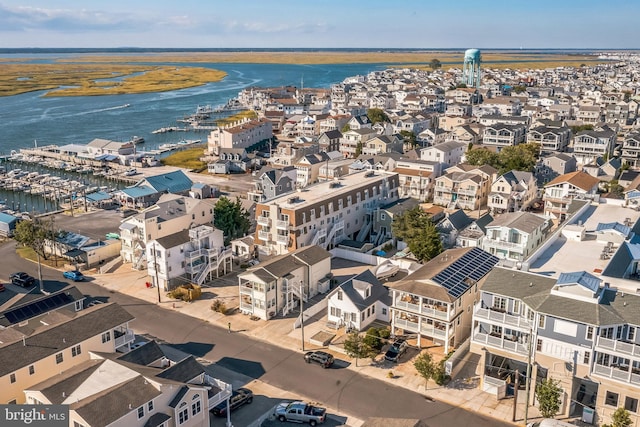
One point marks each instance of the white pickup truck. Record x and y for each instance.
(300, 412)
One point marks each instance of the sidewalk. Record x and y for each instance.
(461, 392)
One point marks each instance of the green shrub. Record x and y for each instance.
(218, 306)
(372, 339)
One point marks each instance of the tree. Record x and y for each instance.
(521, 157)
(231, 218)
(416, 228)
(620, 418)
(409, 138)
(426, 367)
(548, 393)
(373, 339)
(579, 128)
(356, 347)
(358, 149)
(519, 88)
(435, 64)
(345, 128)
(482, 156)
(34, 234)
(376, 115)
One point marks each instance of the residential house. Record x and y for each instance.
(515, 235)
(273, 183)
(494, 119)
(435, 301)
(468, 134)
(276, 286)
(289, 153)
(504, 105)
(187, 256)
(449, 123)
(551, 166)
(56, 341)
(324, 213)
(433, 136)
(383, 144)
(472, 235)
(572, 329)
(553, 138)
(464, 186)
(589, 114)
(359, 122)
(102, 149)
(231, 160)
(504, 135)
(559, 193)
(359, 301)
(451, 225)
(512, 191)
(631, 149)
(250, 134)
(591, 144)
(329, 141)
(354, 140)
(447, 153)
(142, 387)
(308, 168)
(171, 214)
(462, 96)
(605, 171)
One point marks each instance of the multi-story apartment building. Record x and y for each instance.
(355, 139)
(588, 145)
(324, 213)
(435, 301)
(171, 214)
(515, 235)
(504, 135)
(552, 139)
(275, 287)
(57, 341)
(559, 193)
(512, 191)
(249, 134)
(188, 256)
(574, 329)
(464, 186)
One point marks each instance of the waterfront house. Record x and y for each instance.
(148, 190)
(231, 160)
(275, 287)
(250, 134)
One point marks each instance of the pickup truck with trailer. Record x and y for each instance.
(300, 412)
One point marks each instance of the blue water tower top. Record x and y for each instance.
(472, 55)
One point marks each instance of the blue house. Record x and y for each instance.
(147, 191)
(7, 224)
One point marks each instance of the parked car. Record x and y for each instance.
(322, 358)
(238, 398)
(397, 349)
(112, 236)
(22, 279)
(300, 412)
(74, 275)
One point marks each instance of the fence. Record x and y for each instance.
(267, 415)
(456, 361)
(312, 311)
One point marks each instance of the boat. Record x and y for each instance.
(136, 140)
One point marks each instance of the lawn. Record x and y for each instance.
(238, 116)
(187, 159)
(30, 254)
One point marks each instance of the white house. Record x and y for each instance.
(515, 235)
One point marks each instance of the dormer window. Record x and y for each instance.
(340, 295)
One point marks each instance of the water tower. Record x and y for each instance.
(471, 68)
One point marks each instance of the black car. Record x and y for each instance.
(238, 398)
(22, 279)
(397, 349)
(322, 358)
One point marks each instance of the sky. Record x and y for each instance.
(585, 24)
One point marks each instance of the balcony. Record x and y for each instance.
(123, 337)
(406, 324)
(219, 392)
(504, 244)
(433, 331)
(264, 236)
(616, 373)
(282, 238)
(502, 318)
(415, 308)
(465, 191)
(424, 309)
(500, 342)
(282, 225)
(264, 221)
(619, 347)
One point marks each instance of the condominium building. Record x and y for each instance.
(324, 213)
(464, 186)
(250, 134)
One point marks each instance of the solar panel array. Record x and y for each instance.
(474, 265)
(38, 307)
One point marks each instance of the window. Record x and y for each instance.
(77, 424)
(150, 406)
(32, 369)
(586, 357)
(384, 311)
(140, 412)
(539, 345)
(75, 350)
(541, 321)
(78, 305)
(611, 399)
(106, 337)
(516, 306)
(631, 404)
(183, 416)
(631, 333)
(590, 333)
(59, 358)
(12, 378)
(195, 408)
(340, 295)
(499, 303)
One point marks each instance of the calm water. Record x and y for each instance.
(30, 118)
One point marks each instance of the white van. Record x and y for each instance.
(548, 422)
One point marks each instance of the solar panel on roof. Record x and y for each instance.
(474, 265)
(38, 307)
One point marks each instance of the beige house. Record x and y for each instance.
(464, 186)
(355, 138)
(515, 235)
(559, 193)
(248, 134)
(435, 302)
(58, 341)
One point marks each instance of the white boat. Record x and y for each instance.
(386, 270)
(136, 140)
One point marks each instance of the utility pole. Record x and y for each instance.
(528, 379)
(515, 395)
(155, 268)
(302, 315)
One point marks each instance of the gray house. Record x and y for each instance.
(553, 166)
(273, 183)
